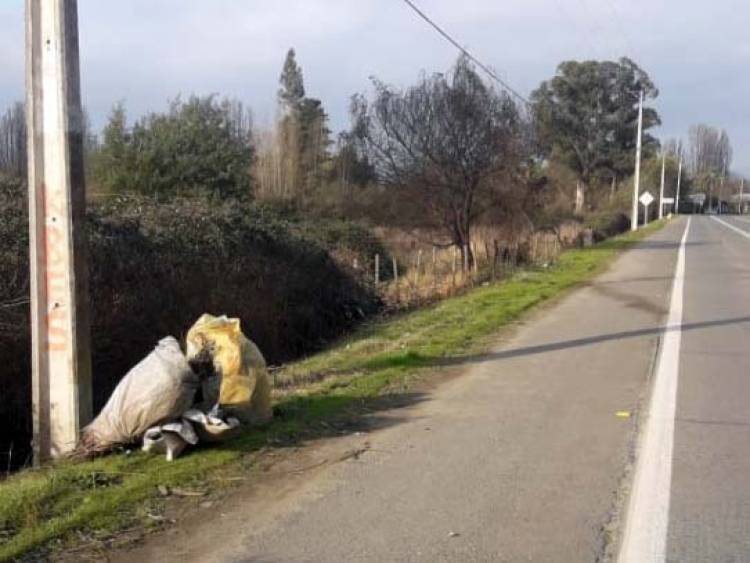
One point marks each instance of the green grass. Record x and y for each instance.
(55, 505)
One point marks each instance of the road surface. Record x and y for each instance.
(709, 516)
(531, 455)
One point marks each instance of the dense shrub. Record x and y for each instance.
(15, 354)
(201, 144)
(346, 240)
(612, 217)
(155, 267)
(607, 223)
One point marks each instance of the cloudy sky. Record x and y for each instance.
(145, 52)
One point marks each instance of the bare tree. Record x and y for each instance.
(709, 158)
(13, 141)
(710, 151)
(450, 142)
(672, 147)
(276, 166)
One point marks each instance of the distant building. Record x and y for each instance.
(742, 206)
(693, 203)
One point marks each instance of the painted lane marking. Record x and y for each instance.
(645, 536)
(730, 226)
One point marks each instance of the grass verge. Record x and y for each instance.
(56, 506)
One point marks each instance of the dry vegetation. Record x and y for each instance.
(420, 272)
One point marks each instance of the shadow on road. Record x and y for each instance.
(735, 273)
(632, 300)
(738, 423)
(586, 341)
(300, 419)
(669, 245)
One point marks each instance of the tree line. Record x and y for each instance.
(445, 152)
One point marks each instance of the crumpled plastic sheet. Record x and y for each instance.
(195, 426)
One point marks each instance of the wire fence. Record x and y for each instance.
(425, 275)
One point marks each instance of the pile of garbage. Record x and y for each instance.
(172, 400)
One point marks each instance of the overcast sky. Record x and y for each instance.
(145, 52)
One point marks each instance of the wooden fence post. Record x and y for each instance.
(494, 259)
(475, 255)
(453, 267)
(434, 271)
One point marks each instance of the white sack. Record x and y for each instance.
(159, 389)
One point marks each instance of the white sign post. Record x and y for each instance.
(646, 199)
(667, 201)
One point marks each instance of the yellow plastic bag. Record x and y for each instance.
(244, 389)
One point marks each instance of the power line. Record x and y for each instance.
(594, 26)
(582, 37)
(629, 44)
(476, 61)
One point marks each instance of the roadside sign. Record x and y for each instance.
(668, 200)
(646, 199)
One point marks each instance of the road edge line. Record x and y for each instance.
(647, 518)
(730, 226)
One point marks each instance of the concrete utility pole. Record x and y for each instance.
(637, 177)
(661, 188)
(742, 193)
(677, 195)
(61, 361)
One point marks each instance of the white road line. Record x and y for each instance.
(730, 226)
(647, 520)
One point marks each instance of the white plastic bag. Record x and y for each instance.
(171, 438)
(243, 386)
(212, 426)
(157, 390)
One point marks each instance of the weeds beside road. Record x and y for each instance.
(74, 501)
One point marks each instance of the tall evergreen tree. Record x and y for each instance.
(314, 141)
(303, 133)
(292, 89)
(112, 166)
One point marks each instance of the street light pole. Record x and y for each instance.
(661, 187)
(677, 195)
(742, 193)
(61, 362)
(637, 177)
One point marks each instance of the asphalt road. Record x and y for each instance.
(709, 516)
(531, 455)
